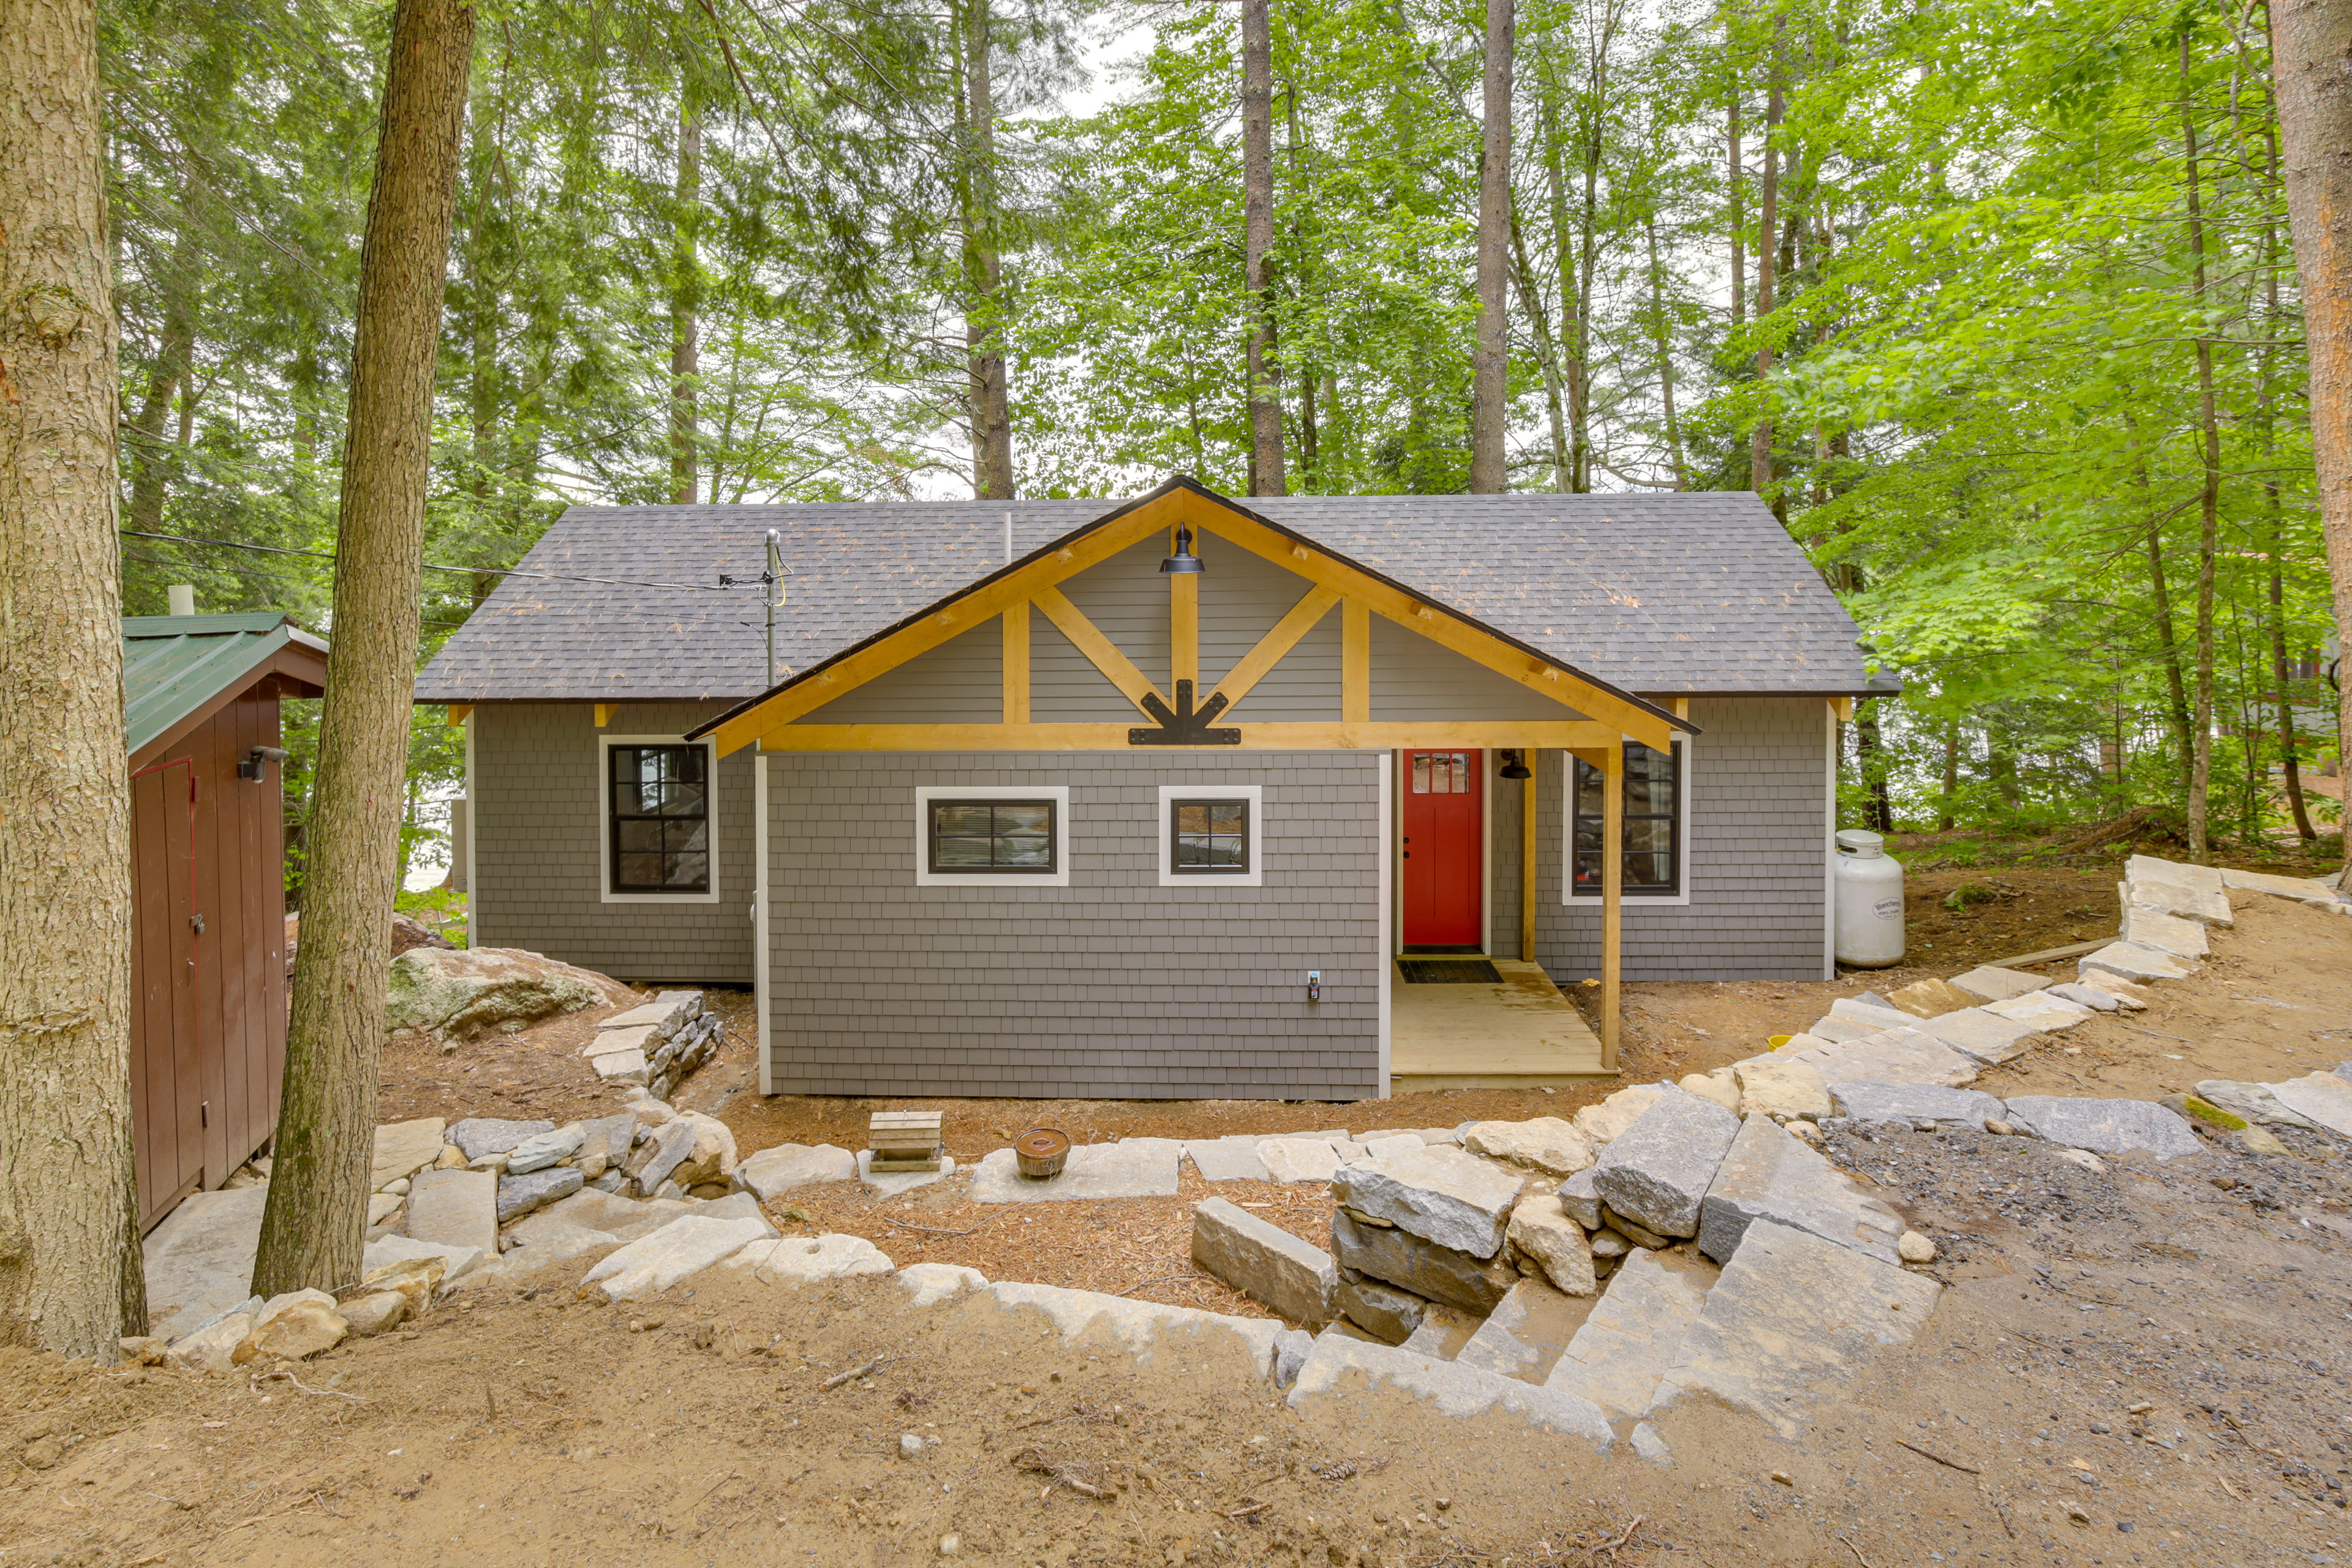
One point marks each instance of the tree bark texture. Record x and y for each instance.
(2208, 493)
(1489, 360)
(685, 313)
(983, 267)
(315, 1222)
(1266, 477)
(2311, 62)
(70, 1279)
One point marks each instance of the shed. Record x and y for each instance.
(201, 698)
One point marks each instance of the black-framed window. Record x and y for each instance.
(661, 819)
(1012, 837)
(1653, 849)
(1209, 837)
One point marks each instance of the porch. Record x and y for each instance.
(1515, 1032)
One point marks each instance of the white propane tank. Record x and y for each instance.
(1869, 902)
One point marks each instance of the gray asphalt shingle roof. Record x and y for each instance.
(1662, 594)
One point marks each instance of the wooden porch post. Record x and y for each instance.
(1528, 799)
(1612, 889)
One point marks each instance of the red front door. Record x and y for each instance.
(1443, 848)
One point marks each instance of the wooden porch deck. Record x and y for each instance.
(1520, 1034)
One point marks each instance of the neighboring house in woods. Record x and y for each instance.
(209, 889)
(1033, 808)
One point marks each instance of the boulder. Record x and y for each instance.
(1541, 1231)
(651, 1265)
(480, 1137)
(375, 1311)
(2169, 887)
(402, 1149)
(1931, 998)
(1264, 1262)
(712, 1158)
(540, 1150)
(2166, 933)
(2104, 1126)
(544, 1246)
(1656, 1172)
(931, 1283)
(1443, 1196)
(1721, 1086)
(1980, 1035)
(1388, 1314)
(2253, 1101)
(213, 1348)
(1580, 1200)
(1424, 1268)
(1781, 1089)
(654, 1160)
(1770, 1175)
(1633, 1334)
(806, 1259)
(520, 1196)
(2322, 1097)
(1523, 1337)
(389, 1254)
(1913, 1103)
(1601, 1123)
(625, 1065)
(460, 995)
(2132, 963)
(1351, 1374)
(604, 1143)
(1990, 982)
(1791, 1317)
(779, 1170)
(1546, 1143)
(456, 1208)
(590, 1209)
(293, 1327)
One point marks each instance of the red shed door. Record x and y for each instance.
(1444, 849)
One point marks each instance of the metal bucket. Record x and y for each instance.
(1041, 1153)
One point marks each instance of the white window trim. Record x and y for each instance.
(1568, 893)
(604, 744)
(1253, 794)
(1006, 881)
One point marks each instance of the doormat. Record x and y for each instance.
(1449, 972)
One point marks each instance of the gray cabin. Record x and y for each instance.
(1306, 798)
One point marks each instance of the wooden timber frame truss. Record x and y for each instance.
(1597, 718)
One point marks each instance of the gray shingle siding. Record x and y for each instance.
(537, 825)
(1113, 986)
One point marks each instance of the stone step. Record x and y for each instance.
(1634, 1333)
(1353, 1377)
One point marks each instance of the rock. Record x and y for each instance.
(1649, 1444)
(402, 1149)
(1634, 1333)
(1913, 1102)
(1639, 1235)
(199, 1261)
(381, 1207)
(712, 1158)
(2104, 1126)
(1657, 1170)
(2169, 887)
(293, 1327)
(213, 1347)
(1602, 1124)
(1424, 1268)
(481, 1136)
(2144, 927)
(1227, 1159)
(520, 1196)
(452, 1158)
(2132, 963)
(2044, 1011)
(2084, 1158)
(2254, 1101)
(387, 1254)
(1721, 1086)
(1141, 1329)
(374, 1312)
(1298, 1159)
(1931, 998)
(460, 995)
(1541, 1229)
(2322, 1097)
(2085, 996)
(1980, 1035)
(1833, 1030)
(665, 1015)
(779, 1170)
(890, 1184)
(804, 1259)
(1782, 1090)
(1768, 1176)
(2192, 1108)
(1523, 1337)
(1443, 1196)
(542, 1149)
(624, 1065)
(1547, 1143)
(457, 1208)
(1264, 1262)
(2259, 1140)
(1345, 1371)
(1899, 1056)
(1990, 982)
(651, 1163)
(1609, 1244)
(1131, 1168)
(651, 1265)
(1391, 1144)
(1290, 1353)
(144, 1349)
(1913, 1248)
(1580, 1200)
(1388, 1314)
(910, 1447)
(931, 1283)
(2303, 890)
(1872, 1016)
(545, 1245)
(1789, 1318)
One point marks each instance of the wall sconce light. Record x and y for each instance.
(1184, 562)
(257, 766)
(1514, 764)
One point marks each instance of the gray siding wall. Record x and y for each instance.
(1755, 863)
(1415, 679)
(1242, 597)
(961, 681)
(1503, 800)
(538, 823)
(1113, 986)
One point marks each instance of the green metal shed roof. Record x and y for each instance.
(173, 664)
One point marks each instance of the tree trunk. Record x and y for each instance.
(1572, 337)
(983, 271)
(154, 465)
(316, 1219)
(685, 309)
(2209, 494)
(1739, 218)
(1759, 450)
(1951, 779)
(1489, 363)
(1870, 763)
(1666, 356)
(70, 1279)
(2310, 42)
(2168, 641)
(1547, 357)
(1266, 477)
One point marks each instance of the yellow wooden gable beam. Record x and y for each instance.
(1016, 663)
(1579, 734)
(460, 712)
(1100, 651)
(1255, 664)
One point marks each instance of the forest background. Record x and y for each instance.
(1993, 303)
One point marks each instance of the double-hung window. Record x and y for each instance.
(1657, 821)
(657, 818)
